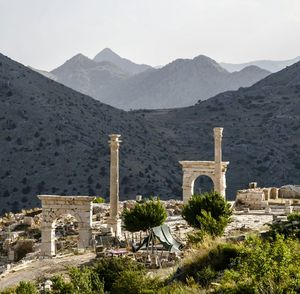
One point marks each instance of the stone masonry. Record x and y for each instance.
(53, 207)
(216, 170)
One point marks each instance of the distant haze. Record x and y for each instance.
(44, 34)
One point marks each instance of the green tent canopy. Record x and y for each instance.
(163, 234)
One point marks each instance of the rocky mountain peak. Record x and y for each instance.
(106, 55)
(125, 64)
(78, 59)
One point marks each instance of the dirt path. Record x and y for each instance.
(40, 268)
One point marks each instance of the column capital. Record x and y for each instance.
(218, 132)
(114, 138)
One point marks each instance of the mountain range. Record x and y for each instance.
(126, 65)
(269, 65)
(126, 85)
(54, 139)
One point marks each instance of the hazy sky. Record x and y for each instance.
(44, 33)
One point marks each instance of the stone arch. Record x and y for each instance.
(54, 206)
(194, 169)
(216, 170)
(210, 177)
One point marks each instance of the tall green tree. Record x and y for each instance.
(144, 216)
(209, 212)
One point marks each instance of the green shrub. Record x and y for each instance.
(208, 212)
(11, 290)
(82, 280)
(108, 269)
(26, 288)
(134, 282)
(99, 200)
(190, 287)
(264, 266)
(204, 266)
(60, 286)
(294, 217)
(289, 228)
(144, 216)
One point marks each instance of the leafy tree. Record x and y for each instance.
(144, 216)
(209, 212)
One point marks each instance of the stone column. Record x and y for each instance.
(219, 180)
(114, 222)
(187, 187)
(48, 240)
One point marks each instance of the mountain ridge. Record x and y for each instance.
(126, 65)
(180, 83)
(270, 65)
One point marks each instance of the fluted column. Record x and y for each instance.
(219, 185)
(114, 221)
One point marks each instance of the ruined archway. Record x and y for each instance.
(53, 207)
(66, 233)
(202, 184)
(216, 170)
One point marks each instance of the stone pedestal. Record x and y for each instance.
(48, 241)
(116, 227)
(113, 221)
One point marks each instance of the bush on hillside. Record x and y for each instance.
(81, 280)
(289, 228)
(99, 200)
(205, 264)
(134, 282)
(264, 266)
(144, 216)
(109, 269)
(209, 212)
(26, 288)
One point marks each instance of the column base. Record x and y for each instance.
(115, 224)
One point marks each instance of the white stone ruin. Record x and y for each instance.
(216, 170)
(53, 207)
(114, 220)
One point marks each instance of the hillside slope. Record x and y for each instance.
(261, 130)
(55, 141)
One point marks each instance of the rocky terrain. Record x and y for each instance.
(123, 84)
(54, 140)
(88, 76)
